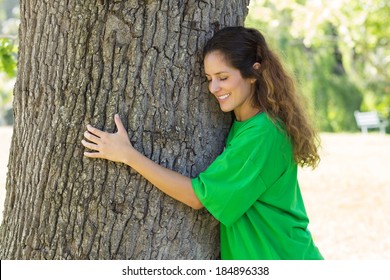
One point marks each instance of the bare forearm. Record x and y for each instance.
(117, 147)
(170, 182)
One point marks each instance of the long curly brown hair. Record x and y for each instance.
(275, 91)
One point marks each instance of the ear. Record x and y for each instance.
(256, 66)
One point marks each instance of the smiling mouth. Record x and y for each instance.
(223, 97)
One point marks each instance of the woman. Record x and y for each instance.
(252, 187)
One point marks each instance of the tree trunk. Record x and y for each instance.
(80, 62)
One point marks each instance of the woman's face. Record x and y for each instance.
(233, 92)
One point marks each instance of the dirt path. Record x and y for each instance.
(347, 197)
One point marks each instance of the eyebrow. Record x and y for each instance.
(218, 73)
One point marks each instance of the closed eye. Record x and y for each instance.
(208, 79)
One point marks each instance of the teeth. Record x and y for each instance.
(223, 97)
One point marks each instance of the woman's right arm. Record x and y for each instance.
(117, 147)
(170, 182)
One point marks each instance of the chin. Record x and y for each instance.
(226, 110)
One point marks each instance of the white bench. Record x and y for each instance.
(366, 120)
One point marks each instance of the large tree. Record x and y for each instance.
(81, 61)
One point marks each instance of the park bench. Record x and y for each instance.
(366, 120)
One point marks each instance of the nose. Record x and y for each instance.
(214, 86)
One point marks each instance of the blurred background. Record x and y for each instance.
(339, 52)
(9, 24)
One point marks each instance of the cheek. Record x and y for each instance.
(247, 86)
(209, 87)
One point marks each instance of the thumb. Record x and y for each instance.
(119, 124)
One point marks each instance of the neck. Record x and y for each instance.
(249, 114)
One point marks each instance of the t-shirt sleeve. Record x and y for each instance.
(232, 183)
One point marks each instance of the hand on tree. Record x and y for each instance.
(111, 146)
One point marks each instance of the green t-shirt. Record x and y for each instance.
(252, 189)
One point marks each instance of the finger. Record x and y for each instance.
(95, 131)
(89, 145)
(119, 124)
(92, 154)
(91, 137)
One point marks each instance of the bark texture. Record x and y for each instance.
(81, 61)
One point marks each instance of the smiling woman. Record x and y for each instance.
(252, 187)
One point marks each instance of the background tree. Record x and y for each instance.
(7, 7)
(339, 51)
(9, 22)
(7, 75)
(80, 62)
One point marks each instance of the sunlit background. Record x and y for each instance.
(339, 52)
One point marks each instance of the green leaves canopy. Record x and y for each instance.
(7, 57)
(339, 51)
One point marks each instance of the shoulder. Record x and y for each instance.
(260, 135)
(251, 135)
(258, 127)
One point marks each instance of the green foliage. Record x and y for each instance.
(8, 62)
(339, 51)
(8, 59)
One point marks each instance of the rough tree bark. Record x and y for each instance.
(81, 61)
